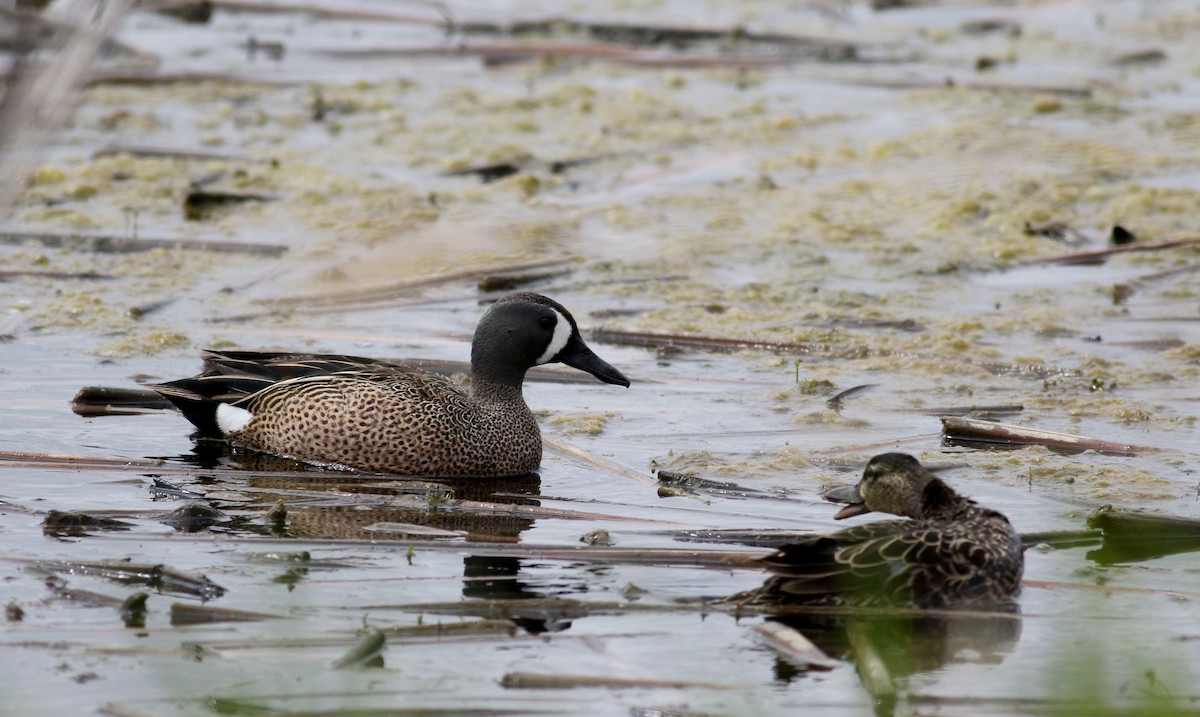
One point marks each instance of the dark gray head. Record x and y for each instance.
(891, 483)
(523, 330)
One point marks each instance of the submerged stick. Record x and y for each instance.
(137, 150)
(63, 460)
(758, 538)
(1061, 538)
(952, 84)
(463, 631)
(324, 11)
(1036, 583)
(537, 511)
(495, 51)
(1099, 255)
(957, 429)
(107, 243)
(51, 274)
(367, 653)
(1132, 525)
(189, 614)
(543, 681)
(794, 646)
(720, 559)
(976, 410)
(145, 78)
(158, 576)
(562, 447)
(872, 670)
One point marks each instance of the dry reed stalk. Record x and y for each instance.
(957, 428)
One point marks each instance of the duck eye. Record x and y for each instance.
(547, 322)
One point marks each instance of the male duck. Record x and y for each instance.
(951, 553)
(379, 416)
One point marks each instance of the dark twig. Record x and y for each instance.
(107, 243)
(1099, 255)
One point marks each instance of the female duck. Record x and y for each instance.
(379, 416)
(951, 553)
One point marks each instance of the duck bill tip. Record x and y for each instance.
(851, 510)
(584, 359)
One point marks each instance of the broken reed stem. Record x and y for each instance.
(364, 653)
(951, 84)
(392, 289)
(871, 668)
(1036, 583)
(191, 614)
(63, 460)
(958, 428)
(569, 450)
(459, 631)
(538, 680)
(793, 646)
(536, 511)
(1129, 525)
(107, 243)
(169, 153)
(325, 11)
(148, 78)
(1099, 255)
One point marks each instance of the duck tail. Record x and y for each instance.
(195, 406)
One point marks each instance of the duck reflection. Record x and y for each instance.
(400, 509)
(495, 578)
(910, 645)
(324, 503)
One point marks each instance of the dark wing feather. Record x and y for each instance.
(249, 378)
(280, 366)
(889, 562)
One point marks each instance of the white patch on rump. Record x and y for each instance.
(232, 418)
(562, 334)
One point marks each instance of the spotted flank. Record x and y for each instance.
(380, 416)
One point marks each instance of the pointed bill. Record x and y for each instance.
(576, 354)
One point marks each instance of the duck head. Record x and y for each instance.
(891, 483)
(523, 330)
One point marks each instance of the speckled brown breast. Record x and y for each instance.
(397, 420)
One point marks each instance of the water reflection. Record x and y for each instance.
(1132, 550)
(326, 503)
(1131, 535)
(909, 645)
(495, 578)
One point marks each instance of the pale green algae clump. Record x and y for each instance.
(580, 423)
(142, 344)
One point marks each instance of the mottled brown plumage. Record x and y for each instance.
(950, 553)
(380, 416)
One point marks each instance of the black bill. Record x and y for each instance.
(576, 354)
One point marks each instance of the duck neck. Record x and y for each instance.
(492, 364)
(940, 502)
(490, 389)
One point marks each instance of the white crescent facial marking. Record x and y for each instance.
(232, 418)
(562, 334)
